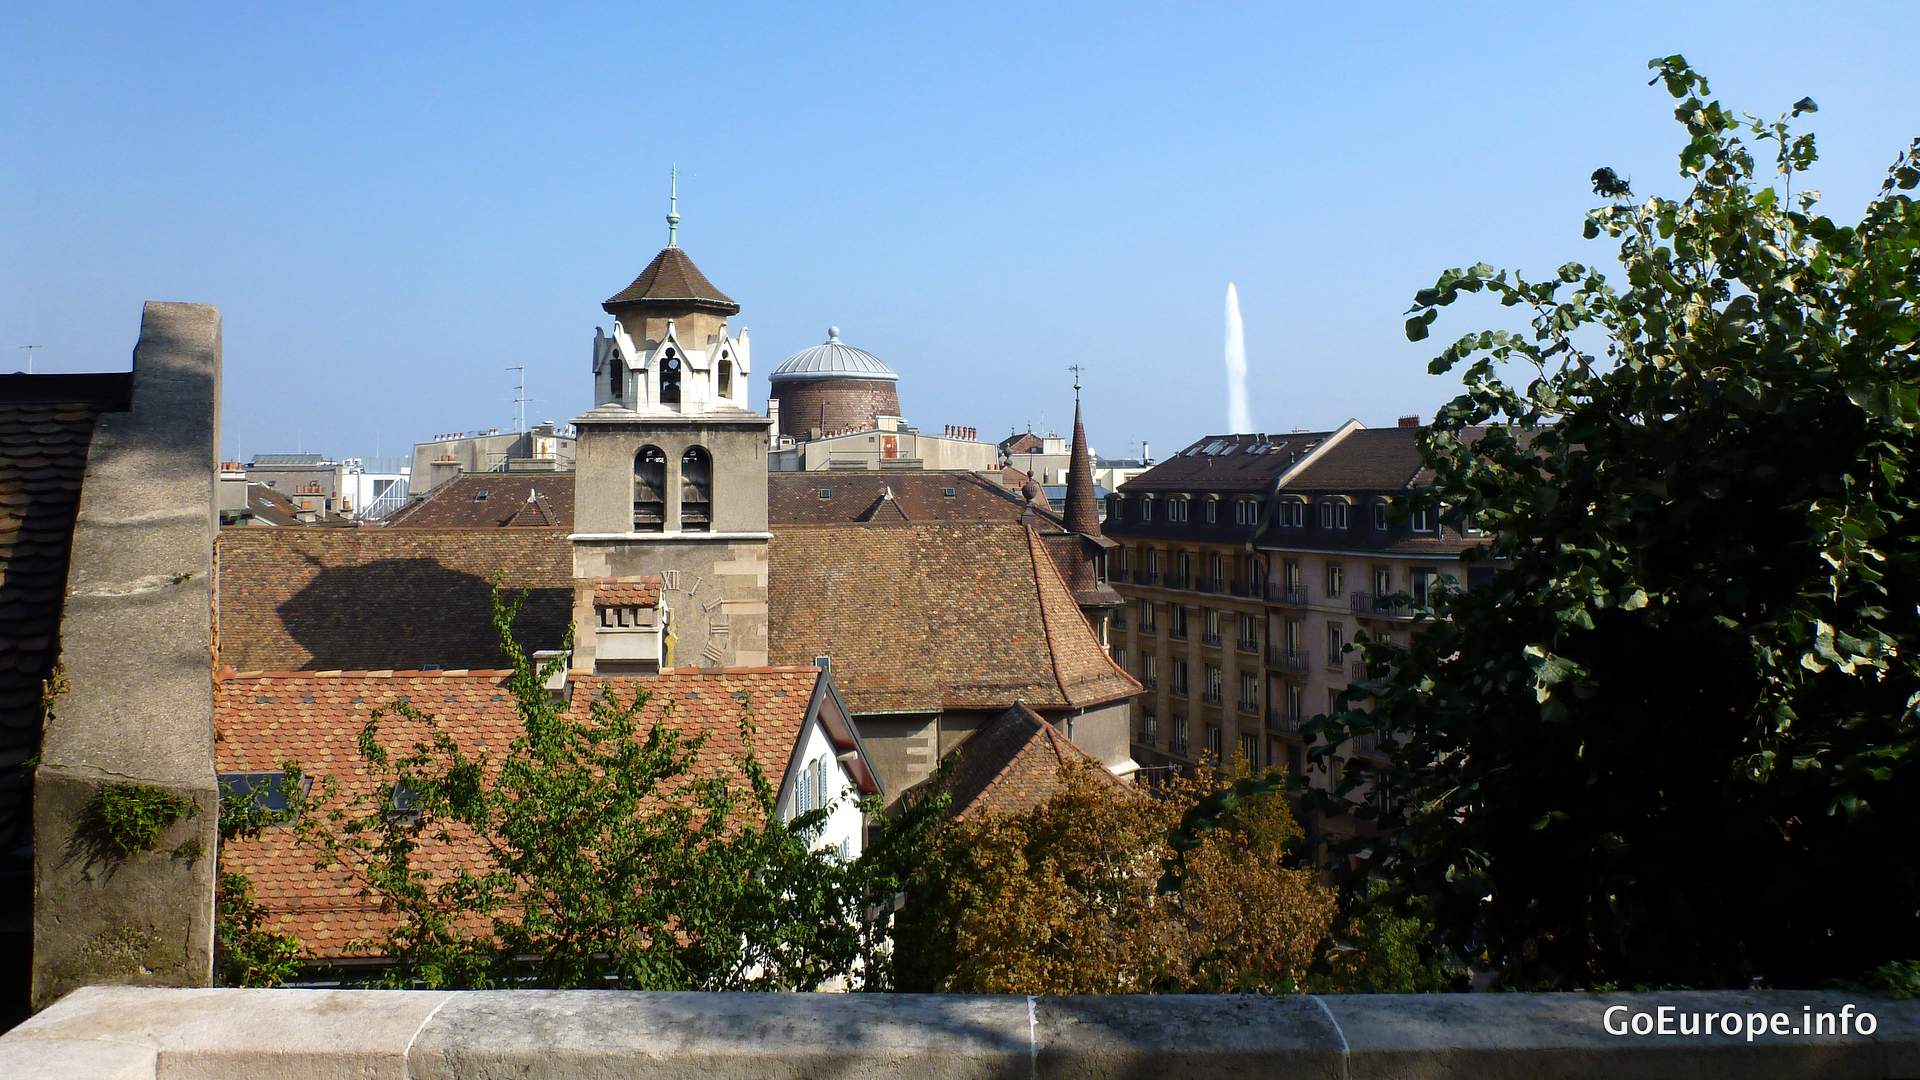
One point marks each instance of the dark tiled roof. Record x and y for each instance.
(933, 616)
(1025, 442)
(793, 498)
(1082, 512)
(510, 499)
(261, 721)
(271, 507)
(672, 278)
(374, 599)
(1236, 463)
(1013, 763)
(43, 458)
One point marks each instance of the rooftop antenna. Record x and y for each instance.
(28, 349)
(673, 208)
(520, 398)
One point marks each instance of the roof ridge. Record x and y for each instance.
(1038, 555)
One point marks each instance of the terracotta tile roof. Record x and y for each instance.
(268, 505)
(488, 500)
(373, 599)
(263, 720)
(1012, 763)
(1025, 442)
(671, 276)
(933, 616)
(644, 593)
(920, 496)
(43, 458)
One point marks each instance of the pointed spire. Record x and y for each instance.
(1082, 515)
(673, 208)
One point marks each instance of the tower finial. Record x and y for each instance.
(673, 209)
(1075, 368)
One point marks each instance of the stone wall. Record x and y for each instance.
(829, 405)
(136, 721)
(134, 1034)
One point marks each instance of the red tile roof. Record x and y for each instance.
(919, 496)
(643, 593)
(487, 500)
(263, 720)
(933, 616)
(1013, 763)
(373, 599)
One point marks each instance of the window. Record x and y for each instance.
(1146, 508)
(1292, 637)
(1179, 732)
(1180, 677)
(1333, 701)
(1215, 687)
(1382, 584)
(1423, 520)
(1213, 740)
(670, 379)
(1183, 569)
(1149, 726)
(1146, 616)
(1146, 669)
(1213, 511)
(1177, 509)
(1177, 622)
(1380, 516)
(1423, 583)
(649, 490)
(1249, 692)
(1336, 643)
(480, 496)
(1153, 564)
(1333, 514)
(1336, 581)
(1119, 558)
(1293, 513)
(949, 493)
(1296, 703)
(726, 378)
(1290, 576)
(268, 790)
(615, 368)
(1250, 750)
(1119, 653)
(826, 493)
(1210, 625)
(1249, 634)
(696, 490)
(1296, 760)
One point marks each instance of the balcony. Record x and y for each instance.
(1210, 584)
(1385, 606)
(1177, 581)
(1336, 662)
(1252, 589)
(1211, 641)
(1246, 645)
(1146, 577)
(1293, 596)
(1293, 663)
(1281, 723)
(1251, 708)
(1212, 697)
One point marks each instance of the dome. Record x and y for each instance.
(832, 359)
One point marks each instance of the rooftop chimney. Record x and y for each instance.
(1409, 421)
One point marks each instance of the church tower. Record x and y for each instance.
(670, 552)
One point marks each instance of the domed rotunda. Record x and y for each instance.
(833, 387)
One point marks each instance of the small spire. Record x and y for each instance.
(673, 208)
(1075, 368)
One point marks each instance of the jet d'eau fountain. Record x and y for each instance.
(1238, 417)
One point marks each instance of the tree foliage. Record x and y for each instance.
(1062, 899)
(597, 851)
(1673, 741)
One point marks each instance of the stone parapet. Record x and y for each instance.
(213, 1034)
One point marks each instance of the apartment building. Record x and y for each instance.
(1252, 565)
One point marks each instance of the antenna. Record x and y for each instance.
(28, 349)
(520, 398)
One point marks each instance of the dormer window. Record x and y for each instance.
(1293, 513)
(1380, 516)
(1423, 520)
(1333, 514)
(826, 493)
(1177, 509)
(1213, 510)
(480, 496)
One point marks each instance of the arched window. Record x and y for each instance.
(615, 368)
(725, 378)
(696, 490)
(649, 490)
(670, 379)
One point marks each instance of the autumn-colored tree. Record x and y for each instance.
(1062, 899)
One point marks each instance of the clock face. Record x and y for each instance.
(714, 650)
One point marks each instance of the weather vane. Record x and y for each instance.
(1075, 368)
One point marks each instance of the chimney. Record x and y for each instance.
(1145, 458)
(773, 414)
(1409, 421)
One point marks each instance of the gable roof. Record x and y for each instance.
(1012, 763)
(922, 617)
(487, 500)
(1372, 459)
(793, 498)
(377, 599)
(263, 720)
(1227, 463)
(671, 278)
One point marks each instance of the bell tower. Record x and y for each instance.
(671, 478)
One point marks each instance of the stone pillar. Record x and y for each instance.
(135, 722)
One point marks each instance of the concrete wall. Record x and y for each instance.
(136, 645)
(715, 590)
(1103, 731)
(131, 1034)
(603, 494)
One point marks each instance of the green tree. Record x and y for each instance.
(1672, 742)
(596, 852)
(246, 953)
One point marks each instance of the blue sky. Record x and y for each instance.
(391, 205)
